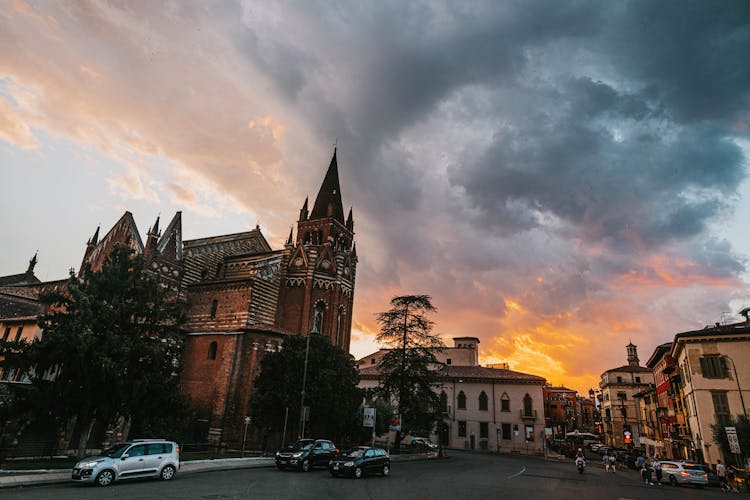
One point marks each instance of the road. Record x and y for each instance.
(459, 476)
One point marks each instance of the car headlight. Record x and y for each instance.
(349, 464)
(296, 455)
(277, 454)
(86, 465)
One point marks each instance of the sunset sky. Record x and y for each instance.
(561, 177)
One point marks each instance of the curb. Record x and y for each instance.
(38, 477)
(12, 479)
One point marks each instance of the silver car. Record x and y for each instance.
(678, 473)
(135, 459)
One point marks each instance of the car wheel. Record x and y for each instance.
(358, 472)
(105, 478)
(305, 465)
(673, 481)
(167, 472)
(386, 470)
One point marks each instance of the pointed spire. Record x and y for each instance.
(289, 240)
(354, 252)
(328, 201)
(155, 229)
(350, 221)
(303, 212)
(95, 239)
(32, 263)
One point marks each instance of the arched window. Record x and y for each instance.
(214, 307)
(461, 400)
(527, 405)
(443, 402)
(317, 325)
(212, 350)
(505, 402)
(483, 401)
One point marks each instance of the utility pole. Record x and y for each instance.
(302, 397)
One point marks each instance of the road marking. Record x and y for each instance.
(518, 474)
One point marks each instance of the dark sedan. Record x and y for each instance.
(305, 454)
(359, 461)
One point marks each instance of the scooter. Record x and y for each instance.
(580, 464)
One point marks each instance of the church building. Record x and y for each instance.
(241, 298)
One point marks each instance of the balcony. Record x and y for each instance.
(528, 415)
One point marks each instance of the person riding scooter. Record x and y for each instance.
(580, 461)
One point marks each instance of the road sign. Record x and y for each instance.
(734, 442)
(395, 423)
(369, 417)
(248, 420)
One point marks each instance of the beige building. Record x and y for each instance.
(714, 366)
(484, 408)
(620, 410)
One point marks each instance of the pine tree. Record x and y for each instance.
(110, 348)
(407, 370)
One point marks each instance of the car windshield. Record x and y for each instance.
(302, 445)
(115, 451)
(354, 453)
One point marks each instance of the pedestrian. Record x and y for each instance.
(612, 460)
(639, 462)
(657, 470)
(721, 471)
(605, 459)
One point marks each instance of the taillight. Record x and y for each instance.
(684, 473)
(705, 475)
(178, 450)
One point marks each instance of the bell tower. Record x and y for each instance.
(317, 292)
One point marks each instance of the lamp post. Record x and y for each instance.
(737, 378)
(302, 397)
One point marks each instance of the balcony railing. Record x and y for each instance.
(528, 415)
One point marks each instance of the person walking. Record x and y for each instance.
(721, 471)
(649, 472)
(605, 460)
(612, 460)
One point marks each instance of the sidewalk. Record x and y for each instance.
(11, 479)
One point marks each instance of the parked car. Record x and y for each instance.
(306, 454)
(595, 446)
(359, 461)
(679, 473)
(134, 459)
(423, 443)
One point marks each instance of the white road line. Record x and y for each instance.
(518, 474)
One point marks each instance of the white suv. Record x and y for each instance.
(138, 458)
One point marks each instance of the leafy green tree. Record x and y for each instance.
(406, 370)
(331, 390)
(742, 424)
(110, 348)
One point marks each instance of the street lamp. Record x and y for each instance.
(302, 397)
(737, 378)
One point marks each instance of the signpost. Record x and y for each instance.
(368, 420)
(734, 442)
(248, 420)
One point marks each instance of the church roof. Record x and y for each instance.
(469, 372)
(19, 279)
(15, 307)
(330, 193)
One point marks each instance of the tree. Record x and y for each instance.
(331, 389)
(406, 374)
(110, 349)
(742, 424)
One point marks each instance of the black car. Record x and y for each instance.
(359, 461)
(305, 454)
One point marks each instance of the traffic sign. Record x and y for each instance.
(368, 419)
(734, 442)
